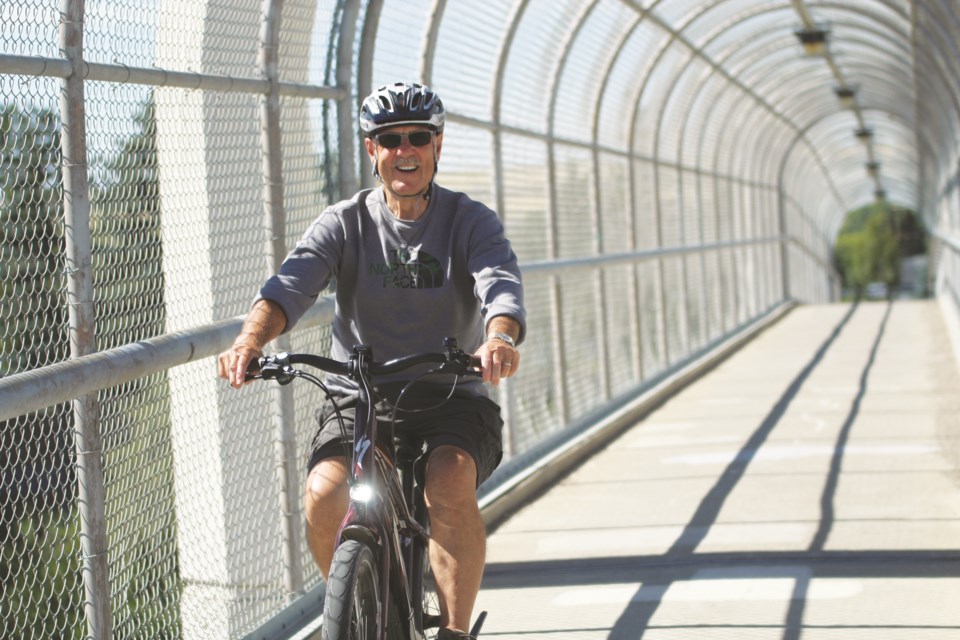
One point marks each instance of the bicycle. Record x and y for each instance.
(382, 547)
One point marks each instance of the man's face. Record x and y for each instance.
(405, 169)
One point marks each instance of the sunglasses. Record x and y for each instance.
(394, 140)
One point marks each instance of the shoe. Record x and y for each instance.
(454, 634)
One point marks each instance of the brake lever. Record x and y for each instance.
(275, 368)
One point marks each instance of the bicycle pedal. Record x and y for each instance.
(475, 629)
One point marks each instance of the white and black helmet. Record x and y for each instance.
(401, 103)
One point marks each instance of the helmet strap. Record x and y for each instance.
(425, 193)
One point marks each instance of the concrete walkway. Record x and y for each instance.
(808, 487)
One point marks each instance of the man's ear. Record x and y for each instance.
(371, 147)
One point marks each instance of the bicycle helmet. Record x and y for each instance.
(399, 104)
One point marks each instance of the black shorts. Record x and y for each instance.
(470, 423)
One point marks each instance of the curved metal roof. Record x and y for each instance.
(721, 87)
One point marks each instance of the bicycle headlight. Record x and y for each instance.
(361, 493)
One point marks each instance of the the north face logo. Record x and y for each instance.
(411, 269)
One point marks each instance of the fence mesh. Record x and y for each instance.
(39, 525)
(177, 110)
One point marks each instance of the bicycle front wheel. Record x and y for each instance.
(351, 605)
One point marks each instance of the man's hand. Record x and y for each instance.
(232, 364)
(265, 322)
(498, 355)
(499, 360)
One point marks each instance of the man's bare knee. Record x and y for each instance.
(451, 480)
(325, 502)
(326, 488)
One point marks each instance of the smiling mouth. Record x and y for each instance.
(407, 168)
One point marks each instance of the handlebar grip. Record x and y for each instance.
(477, 367)
(253, 370)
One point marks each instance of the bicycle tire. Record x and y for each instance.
(351, 605)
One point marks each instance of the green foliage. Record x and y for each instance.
(148, 605)
(42, 581)
(127, 246)
(42, 596)
(32, 316)
(129, 289)
(42, 590)
(871, 244)
(853, 259)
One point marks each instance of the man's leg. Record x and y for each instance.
(458, 537)
(325, 503)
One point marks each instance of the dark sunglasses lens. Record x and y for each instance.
(389, 140)
(420, 138)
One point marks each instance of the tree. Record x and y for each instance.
(32, 317)
(34, 450)
(872, 243)
(129, 286)
(127, 247)
(42, 594)
(39, 565)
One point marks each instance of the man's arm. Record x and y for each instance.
(265, 321)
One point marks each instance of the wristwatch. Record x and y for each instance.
(503, 337)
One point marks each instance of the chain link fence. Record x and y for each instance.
(158, 156)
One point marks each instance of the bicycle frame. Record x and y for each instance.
(373, 481)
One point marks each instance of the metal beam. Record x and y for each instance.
(123, 74)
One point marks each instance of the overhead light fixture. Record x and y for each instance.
(847, 96)
(813, 38)
(864, 135)
(873, 168)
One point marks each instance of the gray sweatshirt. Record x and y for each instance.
(401, 287)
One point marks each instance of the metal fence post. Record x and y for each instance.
(275, 226)
(91, 493)
(371, 21)
(556, 294)
(346, 105)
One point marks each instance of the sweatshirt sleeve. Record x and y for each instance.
(308, 268)
(498, 283)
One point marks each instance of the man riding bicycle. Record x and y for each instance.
(413, 262)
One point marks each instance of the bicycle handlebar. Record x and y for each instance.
(278, 367)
